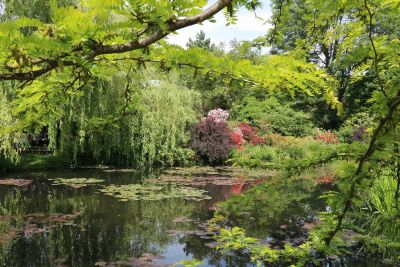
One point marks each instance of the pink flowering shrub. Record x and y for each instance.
(218, 115)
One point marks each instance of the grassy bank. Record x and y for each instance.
(33, 162)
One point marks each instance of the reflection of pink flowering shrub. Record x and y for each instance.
(238, 186)
(218, 115)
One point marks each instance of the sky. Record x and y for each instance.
(247, 27)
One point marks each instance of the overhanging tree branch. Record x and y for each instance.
(358, 175)
(99, 49)
(183, 64)
(33, 74)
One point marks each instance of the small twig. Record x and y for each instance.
(376, 56)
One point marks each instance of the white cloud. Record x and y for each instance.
(247, 27)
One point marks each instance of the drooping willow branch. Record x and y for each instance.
(98, 49)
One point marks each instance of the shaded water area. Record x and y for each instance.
(48, 221)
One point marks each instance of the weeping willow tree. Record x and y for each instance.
(9, 140)
(133, 118)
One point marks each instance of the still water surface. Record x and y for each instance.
(43, 224)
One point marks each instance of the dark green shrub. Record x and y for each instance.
(271, 116)
(295, 152)
(356, 128)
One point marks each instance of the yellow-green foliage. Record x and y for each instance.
(383, 224)
(235, 239)
(141, 121)
(9, 139)
(280, 151)
(169, 110)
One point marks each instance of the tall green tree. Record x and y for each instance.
(295, 25)
(203, 42)
(363, 44)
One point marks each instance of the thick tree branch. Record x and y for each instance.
(99, 49)
(33, 74)
(172, 26)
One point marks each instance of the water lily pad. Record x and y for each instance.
(119, 170)
(146, 260)
(77, 182)
(15, 182)
(227, 171)
(182, 219)
(202, 176)
(153, 192)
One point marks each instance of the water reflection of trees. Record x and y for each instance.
(106, 229)
(278, 209)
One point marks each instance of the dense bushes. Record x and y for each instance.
(356, 128)
(279, 151)
(271, 116)
(327, 137)
(213, 141)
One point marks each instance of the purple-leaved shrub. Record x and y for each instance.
(212, 140)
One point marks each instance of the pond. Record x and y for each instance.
(105, 217)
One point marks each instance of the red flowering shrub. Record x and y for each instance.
(327, 137)
(250, 134)
(325, 180)
(247, 130)
(212, 140)
(257, 140)
(237, 137)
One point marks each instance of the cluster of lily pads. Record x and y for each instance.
(226, 171)
(76, 182)
(175, 183)
(147, 191)
(15, 182)
(153, 192)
